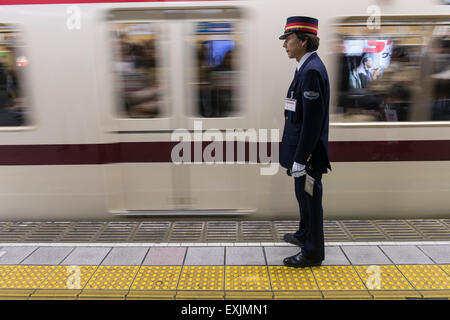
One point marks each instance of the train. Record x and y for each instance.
(96, 95)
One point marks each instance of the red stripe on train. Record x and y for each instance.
(28, 2)
(87, 154)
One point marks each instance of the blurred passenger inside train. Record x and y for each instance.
(388, 90)
(397, 86)
(138, 76)
(441, 59)
(204, 81)
(441, 97)
(10, 114)
(217, 78)
(223, 80)
(441, 81)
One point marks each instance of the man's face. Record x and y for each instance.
(369, 63)
(293, 46)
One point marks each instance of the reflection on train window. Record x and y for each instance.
(13, 62)
(440, 78)
(216, 77)
(388, 74)
(136, 65)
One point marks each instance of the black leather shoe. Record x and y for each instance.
(299, 261)
(290, 238)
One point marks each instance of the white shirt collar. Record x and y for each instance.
(303, 59)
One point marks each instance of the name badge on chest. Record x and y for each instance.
(289, 104)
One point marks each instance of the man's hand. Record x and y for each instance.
(298, 170)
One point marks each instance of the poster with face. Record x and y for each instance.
(375, 53)
(367, 58)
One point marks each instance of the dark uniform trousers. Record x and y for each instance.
(310, 230)
(305, 141)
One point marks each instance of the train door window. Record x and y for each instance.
(14, 110)
(439, 74)
(384, 73)
(139, 77)
(215, 72)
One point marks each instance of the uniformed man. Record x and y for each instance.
(304, 147)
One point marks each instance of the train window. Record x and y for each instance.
(215, 78)
(13, 62)
(439, 76)
(387, 74)
(138, 73)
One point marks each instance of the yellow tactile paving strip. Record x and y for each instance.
(340, 282)
(244, 278)
(155, 282)
(291, 279)
(4, 270)
(229, 282)
(26, 277)
(65, 282)
(446, 268)
(201, 282)
(337, 278)
(201, 278)
(157, 278)
(291, 283)
(386, 282)
(247, 282)
(113, 278)
(383, 278)
(431, 281)
(68, 277)
(426, 277)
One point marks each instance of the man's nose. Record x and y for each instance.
(284, 44)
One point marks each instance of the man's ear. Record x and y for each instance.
(304, 43)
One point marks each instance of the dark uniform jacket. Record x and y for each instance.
(305, 135)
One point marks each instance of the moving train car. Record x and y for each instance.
(96, 95)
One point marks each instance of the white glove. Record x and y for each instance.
(298, 170)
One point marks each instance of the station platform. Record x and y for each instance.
(389, 259)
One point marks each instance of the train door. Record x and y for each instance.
(141, 113)
(174, 71)
(214, 103)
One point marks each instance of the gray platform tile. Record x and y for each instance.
(438, 253)
(244, 256)
(165, 256)
(87, 256)
(125, 256)
(15, 255)
(48, 256)
(334, 257)
(365, 255)
(275, 255)
(406, 255)
(205, 256)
